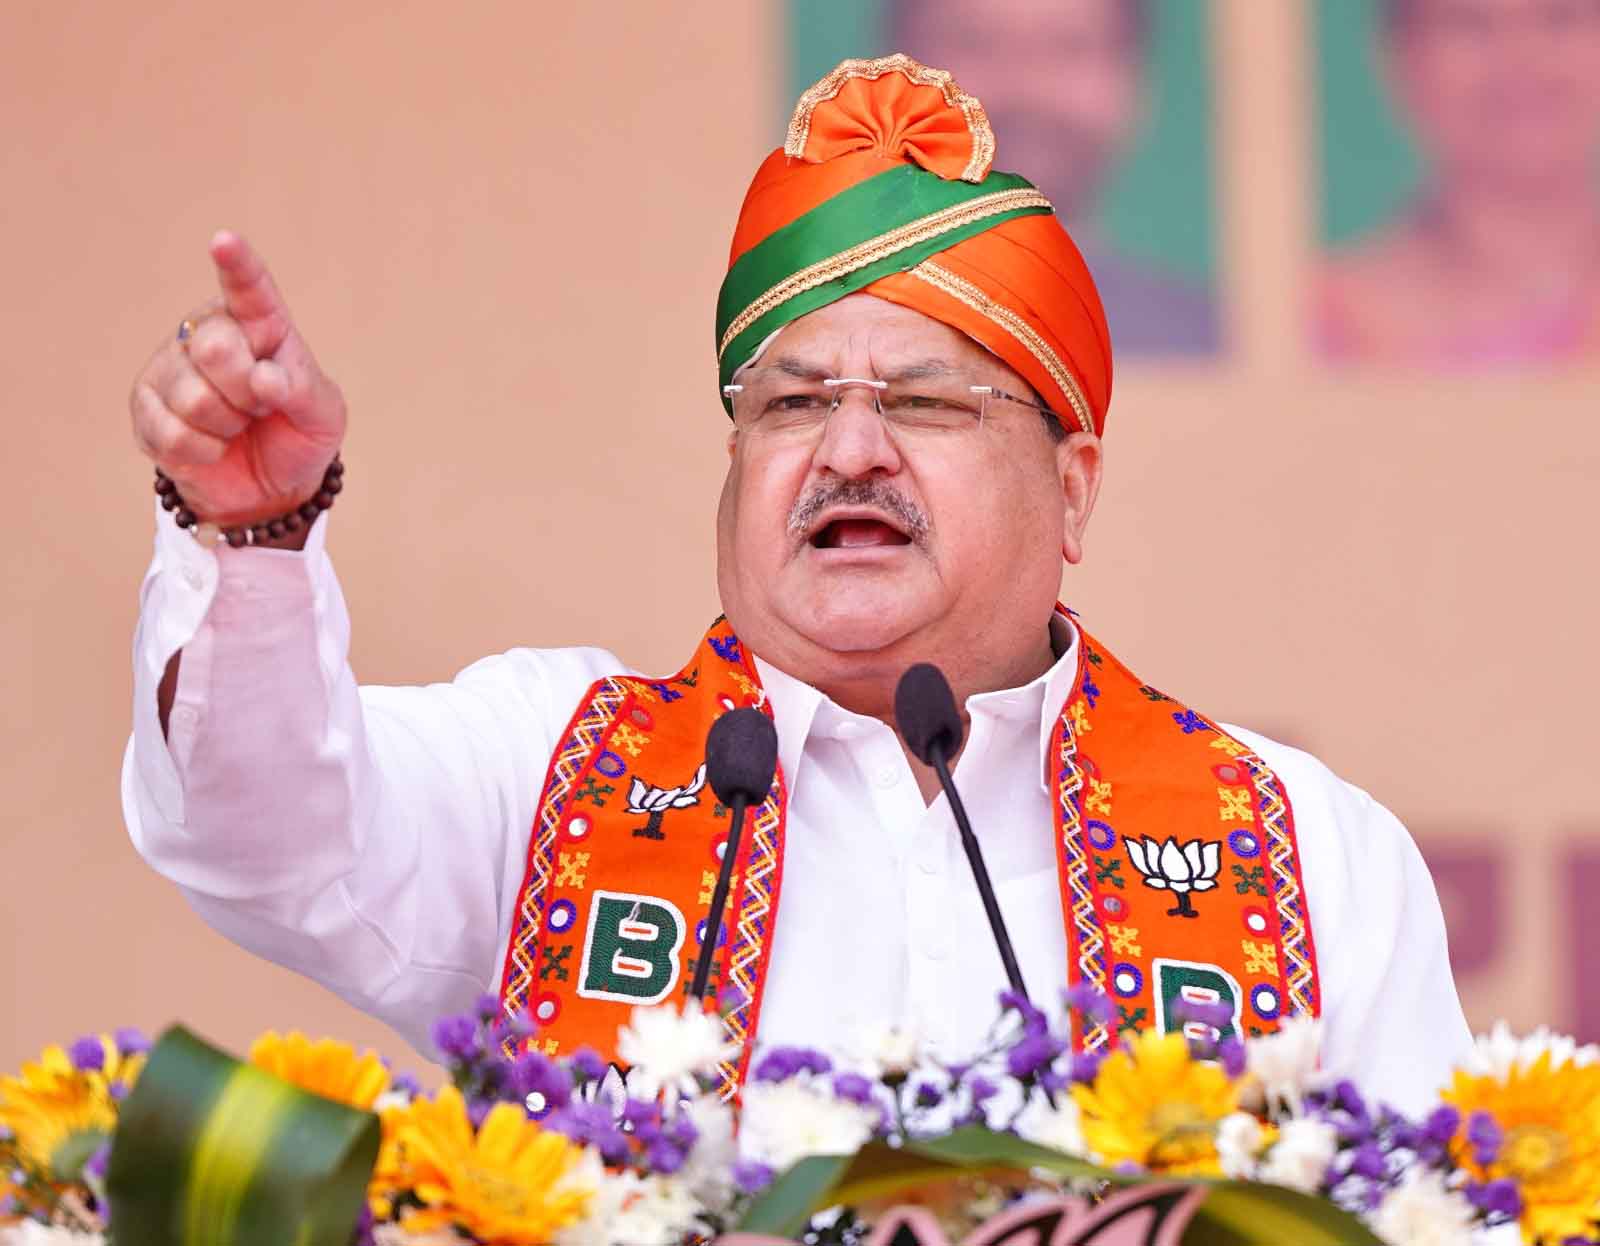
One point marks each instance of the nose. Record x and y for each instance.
(855, 440)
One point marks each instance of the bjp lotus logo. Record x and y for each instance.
(1179, 869)
(654, 802)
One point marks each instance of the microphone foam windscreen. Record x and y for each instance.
(742, 756)
(925, 711)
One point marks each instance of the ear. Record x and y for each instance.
(1078, 461)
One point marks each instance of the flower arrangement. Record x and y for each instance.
(523, 1149)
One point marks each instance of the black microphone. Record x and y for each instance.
(925, 711)
(741, 760)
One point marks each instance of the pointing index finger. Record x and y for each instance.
(248, 293)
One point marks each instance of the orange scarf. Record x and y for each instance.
(1180, 877)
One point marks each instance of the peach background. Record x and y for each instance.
(503, 231)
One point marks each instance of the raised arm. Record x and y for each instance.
(369, 838)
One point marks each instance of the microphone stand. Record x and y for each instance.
(719, 901)
(980, 872)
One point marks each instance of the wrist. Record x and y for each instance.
(287, 529)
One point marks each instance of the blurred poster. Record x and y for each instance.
(1460, 145)
(1104, 104)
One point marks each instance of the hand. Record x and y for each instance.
(240, 416)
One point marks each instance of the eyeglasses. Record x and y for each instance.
(775, 401)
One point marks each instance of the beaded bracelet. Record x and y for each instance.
(252, 534)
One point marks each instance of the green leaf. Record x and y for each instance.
(791, 1200)
(1239, 1213)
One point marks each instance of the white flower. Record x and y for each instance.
(707, 1172)
(1055, 1127)
(1300, 1157)
(32, 1233)
(610, 1196)
(658, 1212)
(1422, 1212)
(1500, 1051)
(1284, 1064)
(887, 1049)
(398, 1235)
(667, 1048)
(1239, 1138)
(784, 1122)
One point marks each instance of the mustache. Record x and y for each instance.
(866, 493)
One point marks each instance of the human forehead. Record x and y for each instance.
(863, 332)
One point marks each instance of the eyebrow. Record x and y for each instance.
(920, 370)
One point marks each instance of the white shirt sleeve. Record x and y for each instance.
(1392, 1021)
(373, 838)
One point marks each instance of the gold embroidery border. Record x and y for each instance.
(875, 249)
(794, 146)
(959, 288)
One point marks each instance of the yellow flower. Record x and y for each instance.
(325, 1067)
(1154, 1105)
(60, 1114)
(1550, 1115)
(509, 1183)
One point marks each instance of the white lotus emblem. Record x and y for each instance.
(1180, 869)
(655, 801)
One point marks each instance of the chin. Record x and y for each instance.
(861, 627)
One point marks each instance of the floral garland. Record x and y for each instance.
(523, 1149)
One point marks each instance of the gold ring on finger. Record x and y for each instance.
(186, 328)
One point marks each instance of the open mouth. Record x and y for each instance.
(858, 533)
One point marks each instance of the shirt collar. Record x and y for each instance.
(799, 710)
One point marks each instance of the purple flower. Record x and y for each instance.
(533, 1073)
(1486, 1137)
(457, 1037)
(1442, 1124)
(406, 1084)
(1218, 1015)
(587, 1064)
(928, 1095)
(683, 1132)
(590, 1124)
(478, 1110)
(97, 1165)
(1347, 1098)
(982, 1089)
(118, 1090)
(1032, 1053)
(1033, 1021)
(1086, 1065)
(852, 1088)
(1498, 1198)
(1231, 1052)
(88, 1054)
(751, 1176)
(663, 1157)
(644, 1115)
(782, 1063)
(1367, 1161)
(487, 1007)
(1054, 1081)
(1092, 1002)
(131, 1041)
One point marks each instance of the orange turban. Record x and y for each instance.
(884, 185)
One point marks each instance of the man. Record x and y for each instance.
(1067, 82)
(917, 370)
(1496, 260)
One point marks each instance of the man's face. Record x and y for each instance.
(1505, 93)
(1061, 81)
(859, 543)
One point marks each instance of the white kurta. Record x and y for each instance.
(375, 838)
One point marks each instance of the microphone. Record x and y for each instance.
(925, 711)
(741, 760)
